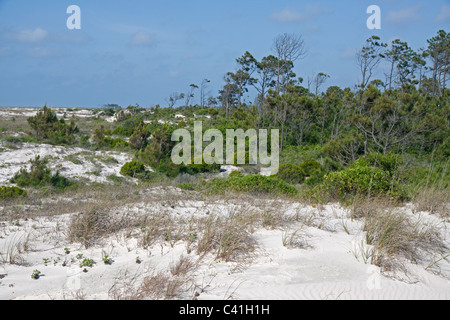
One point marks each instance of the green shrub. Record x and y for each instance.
(39, 176)
(236, 174)
(251, 184)
(291, 173)
(362, 179)
(132, 169)
(389, 162)
(47, 127)
(313, 171)
(310, 170)
(59, 182)
(199, 168)
(128, 126)
(11, 192)
(118, 143)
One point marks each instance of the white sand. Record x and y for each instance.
(91, 165)
(331, 266)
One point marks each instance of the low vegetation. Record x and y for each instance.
(40, 175)
(11, 192)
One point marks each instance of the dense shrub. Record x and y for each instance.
(389, 162)
(139, 138)
(11, 192)
(47, 127)
(310, 170)
(133, 169)
(313, 171)
(40, 175)
(102, 140)
(172, 170)
(118, 143)
(363, 179)
(291, 173)
(251, 184)
(128, 126)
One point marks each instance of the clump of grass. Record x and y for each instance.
(163, 284)
(89, 226)
(433, 200)
(294, 239)
(230, 238)
(394, 234)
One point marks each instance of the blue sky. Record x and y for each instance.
(141, 51)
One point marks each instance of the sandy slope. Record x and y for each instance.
(91, 165)
(328, 266)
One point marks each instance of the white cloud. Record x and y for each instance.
(142, 38)
(404, 16)
(444, 15)
(28, 35)
(288, 15)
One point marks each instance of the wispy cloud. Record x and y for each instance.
(444, 15)
(143, 38)
(288, 15)
(28, 35)
(404, 16)
(45, 52)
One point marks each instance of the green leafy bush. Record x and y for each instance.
(310, 170)
(389, 162)
(252, 184)
(291, 173)
(40, 175)
(11, 192)
(313, 171)
(118, 143)
(127, 128)
(363, 179)
(133, 169)
(47, 127)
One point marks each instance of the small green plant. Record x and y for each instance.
(107, 260)
(46, 261)
(87, 263)
(35, 274)
(79, 256)
(66, 250)
(138, 260)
